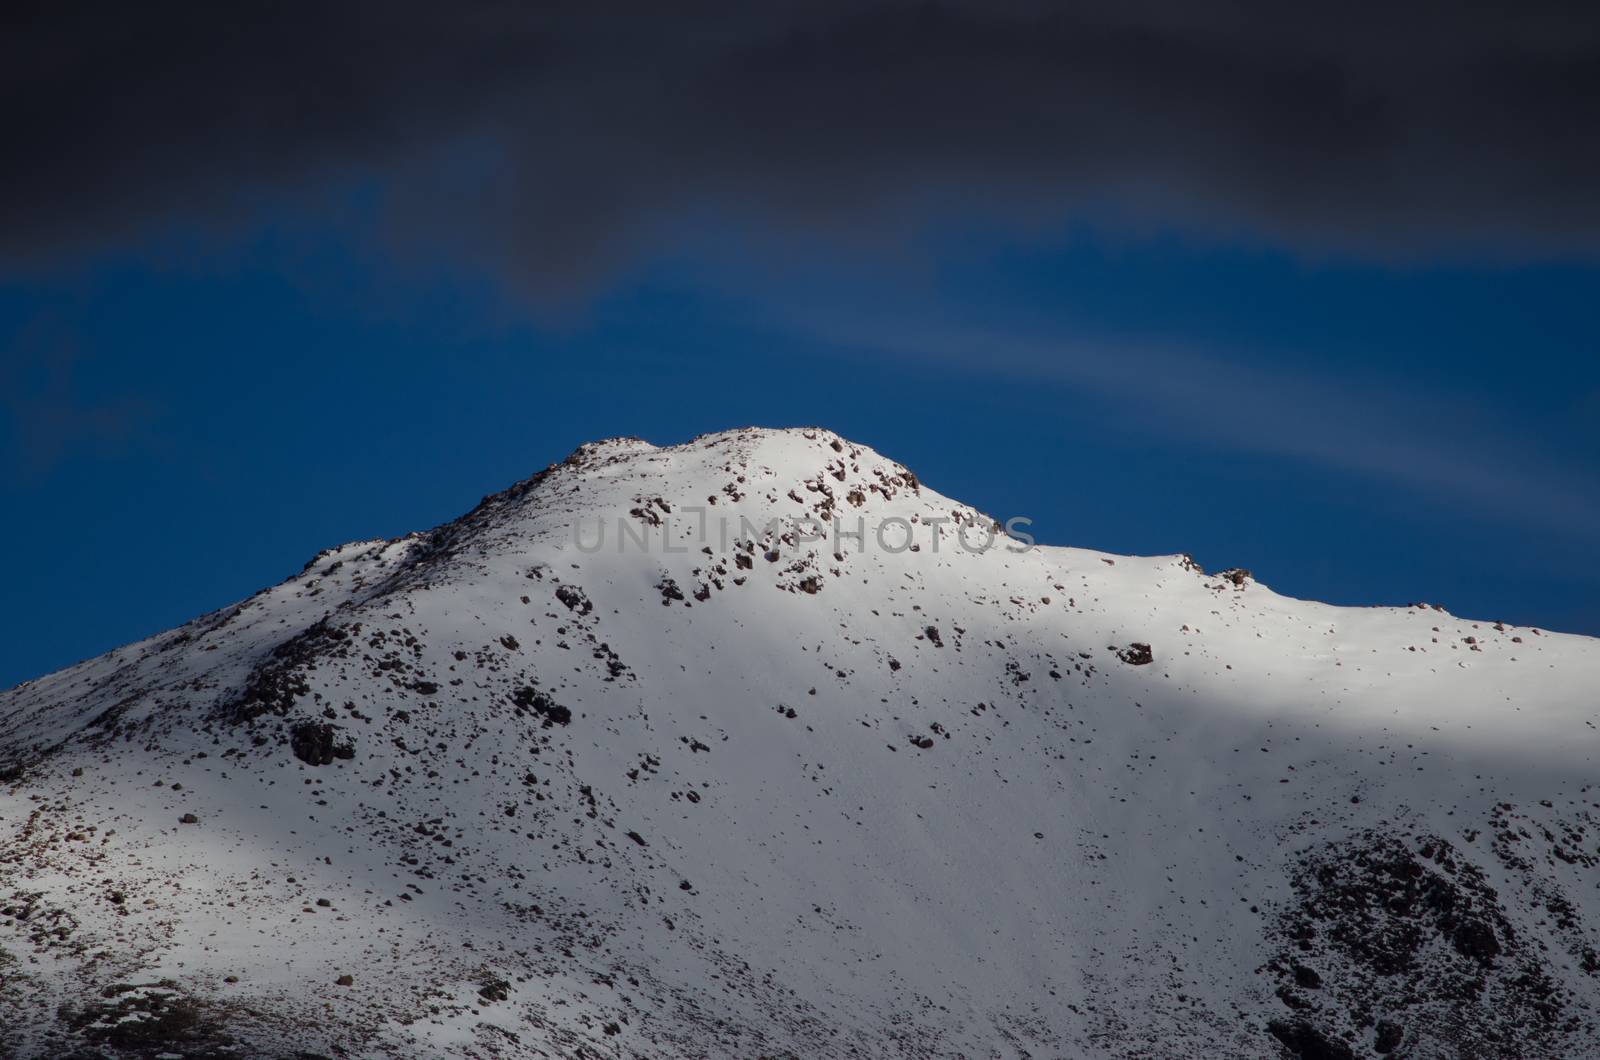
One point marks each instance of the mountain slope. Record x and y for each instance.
(511, 788)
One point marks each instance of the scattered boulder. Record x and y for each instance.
(1307, 977)
(316, 743)
(1306, 1042)
(553, 713)
(1136, 654)
(1390, 1035)
(574, 598)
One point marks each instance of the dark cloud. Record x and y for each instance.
(552, 139)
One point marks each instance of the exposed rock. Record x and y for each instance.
(1136, 654)
(317, 743)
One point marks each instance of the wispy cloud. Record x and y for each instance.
(551, 140)
(1441, 447)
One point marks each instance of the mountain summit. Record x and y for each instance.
(758, 746)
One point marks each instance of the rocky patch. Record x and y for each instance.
(1398, 942)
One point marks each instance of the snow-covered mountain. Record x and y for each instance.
(709, 786)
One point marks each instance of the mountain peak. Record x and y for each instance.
(758, 745)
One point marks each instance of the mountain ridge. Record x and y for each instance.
(743, 791)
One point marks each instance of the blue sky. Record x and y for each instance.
(189, 415)
(1304, 288)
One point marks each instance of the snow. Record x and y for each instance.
(1102, 861)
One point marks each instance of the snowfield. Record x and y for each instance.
(710, 790)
